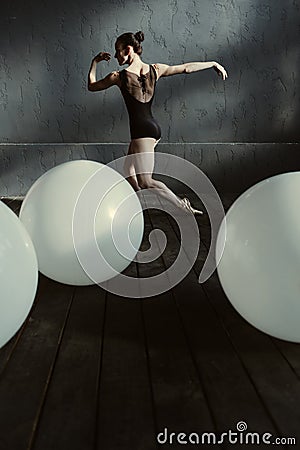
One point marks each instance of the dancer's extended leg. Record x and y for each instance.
(144, 165)
(138, 169)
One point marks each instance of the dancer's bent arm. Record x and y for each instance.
(164, 70)
(110, 80)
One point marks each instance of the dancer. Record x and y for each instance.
(137, 85)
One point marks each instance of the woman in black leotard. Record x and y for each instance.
(137, 86)
(138, 93)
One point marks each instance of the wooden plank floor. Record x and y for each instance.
(90, 370)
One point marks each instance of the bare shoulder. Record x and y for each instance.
(115, 76)
(164, 70)
(160, 69)
(111, 79)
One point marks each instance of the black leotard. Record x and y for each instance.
(138, 92)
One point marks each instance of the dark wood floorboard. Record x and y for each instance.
(180, 403)
(24, 381)
(68, 416)
(291, 352)
(276, 383)
(273, 373)
(125, 416)
(229, 390)
(8, 349)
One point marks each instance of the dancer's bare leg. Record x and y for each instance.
(129, 169)
(143, 168)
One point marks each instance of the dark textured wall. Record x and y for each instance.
(232, 168)
(46, 48)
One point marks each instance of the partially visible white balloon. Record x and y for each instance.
(260, 266)
(114, 226)
(18, 274)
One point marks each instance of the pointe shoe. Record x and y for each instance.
(188, 206)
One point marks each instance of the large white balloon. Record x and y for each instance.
(63, 226)
(18, 274)
(260, 267)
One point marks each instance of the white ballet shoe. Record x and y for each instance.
(187, 205)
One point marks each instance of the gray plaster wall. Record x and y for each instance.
(45, 54)
(232, 168)
(46, 49)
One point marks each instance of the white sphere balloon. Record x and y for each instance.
(18, 274)
(260, 266)
(77, 208)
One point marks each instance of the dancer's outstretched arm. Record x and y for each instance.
(110, 80)
(164, 70)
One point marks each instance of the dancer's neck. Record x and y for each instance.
(135, 64)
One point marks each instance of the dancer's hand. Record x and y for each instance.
(102, 56)
(220, 70)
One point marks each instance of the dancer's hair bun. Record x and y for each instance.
(139, 35)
